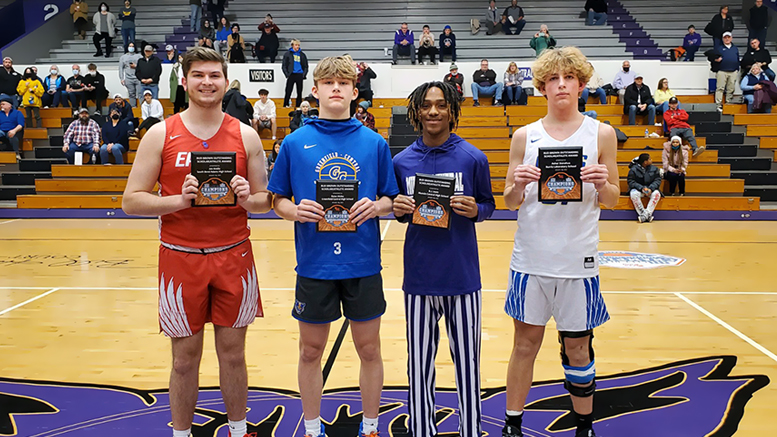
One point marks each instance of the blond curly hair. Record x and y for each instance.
(561, 60)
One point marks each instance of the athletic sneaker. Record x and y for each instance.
(699, 150)
(362, 434)
(475, 103)
(253, 434)
(641, 219)
(650, 218)
(586, 433)
(321, 433)
(511, 431)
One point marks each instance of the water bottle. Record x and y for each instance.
(94, 158)
(647, 134)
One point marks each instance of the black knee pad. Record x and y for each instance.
(579, 381)
(580, 392)
(575, 334)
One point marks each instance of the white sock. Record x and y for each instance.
(184, 433)
(238, 428)
(369, 425)
(514, 413)
(313, 427)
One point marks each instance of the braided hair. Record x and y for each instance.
(416, 99)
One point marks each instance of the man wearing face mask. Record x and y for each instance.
(83, 135)
(54, 86)
(115, 139)
(148, 71)
(623, 79)
(127, 64)
(9, 80)
(76, 91)
(95, 88)
(124, 110)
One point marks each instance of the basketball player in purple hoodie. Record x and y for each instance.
(442, 275)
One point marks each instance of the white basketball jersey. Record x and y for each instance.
(559, 239)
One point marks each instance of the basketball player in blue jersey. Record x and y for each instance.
(554, 266)
(442, 272)
(336, 268)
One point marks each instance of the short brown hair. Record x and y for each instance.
(334, 67)
(202, 54)
(561, 60)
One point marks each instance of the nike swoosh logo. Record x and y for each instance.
(174, 137)
(311, 146)
(244, 254)
(535, 140)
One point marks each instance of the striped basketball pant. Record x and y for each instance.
(462, 321)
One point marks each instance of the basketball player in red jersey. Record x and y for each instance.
(206, 267)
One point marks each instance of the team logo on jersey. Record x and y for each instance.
(561, 183)
(337, 216)
(431, 211)
(338, 167)
(636, 260)
(299, 307)
(214, 189)
(697, 397)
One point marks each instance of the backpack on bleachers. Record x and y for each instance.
(675, 54)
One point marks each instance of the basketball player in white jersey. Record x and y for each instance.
(554, 267)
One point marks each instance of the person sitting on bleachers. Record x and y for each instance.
(267, 45)
(644, 181)
(404, 42)
(662, 95)
(31, 90)
(95, 88)
(268, 22)
(757, 55)
(124, 109)
(447, 44)
(755, 81)
(494, 21)
(75, 90)
(298, 117)
(596, 12)
(80, 12)
(236, 46)
(54, 86)
(484, 82)
(220, 42)
(115, 139)
(623, 79)
(426, 46)
(515, 19)
(364, 116)
(638, 100)
(83, 135)
(364, 77)
(171, 54)
(691, 43)
(273, 156)
(542, 40)
(455, 79)
(151, 111)
(594, 86)
(676, 121)
(205, 39)
(675, 161)
(513, 81)
(264, 113)
(11, 123)
(581, 108)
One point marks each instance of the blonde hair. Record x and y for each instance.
(304, 104)
(295, 40)
(235, 85)
(202, 54)
(561, 60)
(512, 64)
(334, 67)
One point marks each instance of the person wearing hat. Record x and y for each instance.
(83, 135)
(151, 112)
(115, 138)
(148, 71)
(104, 28)
(542, 40)
(363, 115)
(9, 80)
(447, 44)
(639, 100)
(675, 162)
(726, 76)
(124, 110)
(676, 121)
(171, 55)
(11, 124)
(720, 24)
(455, 79)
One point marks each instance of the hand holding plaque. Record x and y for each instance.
(336, 197)
(560, 174)
(214, 172)
(432, 195)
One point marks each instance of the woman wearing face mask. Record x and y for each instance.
(178, 95)
(236, 46)
(80, 12)
(53, 86)
(207, 35)
(675, 160)
(127, 17)
(31, 91)
(104, 24)
(127, 64)
(115, 139)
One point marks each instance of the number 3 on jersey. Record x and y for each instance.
(338, 248)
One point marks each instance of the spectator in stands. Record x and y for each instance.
(728, 64)
(124, 110)
(426, 46)
(364, 78)
(455, 79)
(222, 33)
(364, 116)
(297, 118)
(265, 114)
(195, 16)
(80, 12)
(594, 86)
(494, 21)
(104, 28)
(148, 70)
(638, 100)
(236, 44)
(9, 80)
(83, 135)
(676, 121)
(127, 64)
(11, 123)
(236, 105)
(484, 82)
(581, 108)
(76, 90)
(750, 84)
(35, 73)
(95, 87)
(178, 94)
(596, 12)
(757, 55)
(719, 25)
(447, 44)
(675, 160)
(623, 79)
(205, 39)
(295, 68)
(268, 44)
(758, 23)
(31, 90)
(151, 112)
(404, 42)
(268, 22)
(662, 95)
(127, 18)
(54, 86)
(644, 181)
(276, 149)
(542, 40)
(216, 8)
(691, 43)
(171, 54)
(515, 20)
(513, 80)
(115, 139)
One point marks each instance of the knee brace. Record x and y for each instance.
(582, 376)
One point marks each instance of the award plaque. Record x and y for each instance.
(560, 174)
(432, 195)
(214, 171)
(337, 197)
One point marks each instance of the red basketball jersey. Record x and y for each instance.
(200, 227)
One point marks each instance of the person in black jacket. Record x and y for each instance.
(236, 105)
(644, 181)
(115, 135)
(757, 55)
(364, 84)
(295, 68)
(447, 44)
(720, 24)
(758, 22)
(148, 71)
(267, 46)
(639, 100)
(9, 80)
(95, 87)
(596, 12)
(484, 82)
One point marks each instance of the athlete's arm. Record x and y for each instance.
(139, 198)
(252, 194)
(307, 211)
(604, 174)
(518, 174)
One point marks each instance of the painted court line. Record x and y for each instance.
(9, 221)
(8, 310)
(385, 230)
(733, 330)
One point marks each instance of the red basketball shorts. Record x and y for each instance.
(196, 288)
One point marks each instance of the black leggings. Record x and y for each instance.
(294, 79)
(147, 123)
(674, 180)
(180, 100)
(108, 41)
